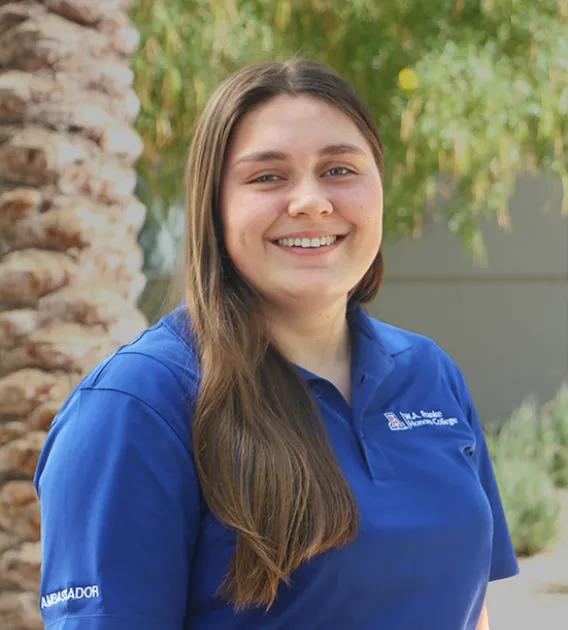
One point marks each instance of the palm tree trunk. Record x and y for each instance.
(70, 265)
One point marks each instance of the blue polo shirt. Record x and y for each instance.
(128, 541)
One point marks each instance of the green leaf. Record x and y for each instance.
(491, 88)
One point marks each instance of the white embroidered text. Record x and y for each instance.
(75, 592)
(413, 420)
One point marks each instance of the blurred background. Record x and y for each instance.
(98, 102)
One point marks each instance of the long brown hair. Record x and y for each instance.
(263, 458)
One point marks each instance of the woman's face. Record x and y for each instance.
(301, 202)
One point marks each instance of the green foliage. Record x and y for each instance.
(490, 99)
(530, 503)
(524, 437)
(555, 420)
(530, 457)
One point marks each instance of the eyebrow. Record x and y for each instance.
(274, 156)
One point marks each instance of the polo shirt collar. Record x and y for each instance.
(369, 335)
(391, 340)
(374, 346)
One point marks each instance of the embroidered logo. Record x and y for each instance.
(395, 424)
(74, 592)
(413, 420)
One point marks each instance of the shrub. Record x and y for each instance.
(524, 436)
(530, 503)
(523, 452)
(554, 422)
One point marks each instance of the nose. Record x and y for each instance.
(310, 201)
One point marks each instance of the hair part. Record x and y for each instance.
(262, 454)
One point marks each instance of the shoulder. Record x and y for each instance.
(418, 353)
(160, 355)
(158, 370)
(398, 340)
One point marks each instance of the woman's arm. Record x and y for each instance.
(120, 511)
(483, 623)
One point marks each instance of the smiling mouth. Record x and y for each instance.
(307, 243)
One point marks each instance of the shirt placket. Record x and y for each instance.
(367, 388)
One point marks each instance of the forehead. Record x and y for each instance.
(293, 124)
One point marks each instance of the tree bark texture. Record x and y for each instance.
(70, 265)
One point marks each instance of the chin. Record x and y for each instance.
(313, 295)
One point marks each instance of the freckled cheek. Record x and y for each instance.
(364, 199)
(361, 211)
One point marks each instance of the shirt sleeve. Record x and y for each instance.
(119, 515)
(503, 560)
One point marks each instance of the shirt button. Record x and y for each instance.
(317, 391)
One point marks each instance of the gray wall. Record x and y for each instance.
(506, 325)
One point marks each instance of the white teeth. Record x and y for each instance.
(318, 241)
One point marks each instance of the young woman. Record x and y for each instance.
(268, 456)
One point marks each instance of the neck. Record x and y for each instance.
(316, 339)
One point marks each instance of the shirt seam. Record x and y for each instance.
(129, 349)
(146, 404)
(192, 350)
(103, 365)
(150, 356)
(172, 331)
